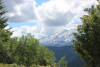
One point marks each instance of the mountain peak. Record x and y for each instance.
(61, 38)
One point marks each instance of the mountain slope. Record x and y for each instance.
(68, 51)
(76, 63)
(72, 58)
(61, 38)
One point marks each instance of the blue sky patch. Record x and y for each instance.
(75, 20)
(68, 26)
(21, 24)
(39, 2)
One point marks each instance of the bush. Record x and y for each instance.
(15, 65)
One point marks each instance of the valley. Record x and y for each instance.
(72, 58)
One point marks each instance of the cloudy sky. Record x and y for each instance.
(44, 17)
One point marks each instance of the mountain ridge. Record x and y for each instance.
(61, 38)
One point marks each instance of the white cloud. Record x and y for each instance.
(23, 30)
(54, 13)
(51, 16)
(20, 10)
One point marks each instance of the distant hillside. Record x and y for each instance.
(71, 56)
(76, 62)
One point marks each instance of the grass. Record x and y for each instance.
(4, 65)
(8, 65)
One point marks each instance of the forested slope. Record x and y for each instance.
(72, 58)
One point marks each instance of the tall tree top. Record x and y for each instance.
(3, 21)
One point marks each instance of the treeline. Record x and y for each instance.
(25, 51)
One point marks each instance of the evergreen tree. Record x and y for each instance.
(4, 37)
(3, 51)
(62, 62)
(88, 39)
(3, 21)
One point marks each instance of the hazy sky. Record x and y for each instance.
(44, 17)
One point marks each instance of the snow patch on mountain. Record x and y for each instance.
(61, 38)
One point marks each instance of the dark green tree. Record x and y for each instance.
(51, 58)
(62, 62)
(3, 51)
(40, 58)
(44, 56)
(4, 36)
(11, 46)
(25, 50)
(3, 21)
(88, 39)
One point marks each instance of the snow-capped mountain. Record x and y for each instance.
(61, 38)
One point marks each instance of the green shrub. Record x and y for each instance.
(15, 65)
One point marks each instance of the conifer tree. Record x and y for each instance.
(3, 21)
(3, 51)
(62, 62)
(4, 37)
(88, 39)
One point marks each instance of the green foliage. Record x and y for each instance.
(4, 65)
(4, 37)
(3, 21)
(44, 56)
(87, 44)
(69, 53)
(62, 62)
(15, 65)
(34, 65)
(11, 48)
(26, 51)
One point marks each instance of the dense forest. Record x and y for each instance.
(26, 52)
(72, 58)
